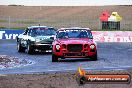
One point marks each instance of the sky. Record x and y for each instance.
(65, 2)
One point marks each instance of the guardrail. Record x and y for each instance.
(101, 36)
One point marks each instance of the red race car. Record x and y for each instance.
(74, 42)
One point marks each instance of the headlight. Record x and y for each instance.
(92, 46)
(57, 47)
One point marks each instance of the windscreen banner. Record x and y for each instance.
(99, 36)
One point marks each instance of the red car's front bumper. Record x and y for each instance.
(82, 54)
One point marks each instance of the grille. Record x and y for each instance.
(74, 54)
(74, 47)
(46, 42)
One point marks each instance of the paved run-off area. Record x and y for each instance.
(110, 56)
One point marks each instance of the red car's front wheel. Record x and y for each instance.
(94, 57)
(54, 58)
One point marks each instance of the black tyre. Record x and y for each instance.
(94, 57)
(30, 49)
(54, 58)
(20, 48)
(81, 80)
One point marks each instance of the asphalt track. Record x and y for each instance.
(111, 56)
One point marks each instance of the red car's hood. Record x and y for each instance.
(75, 41)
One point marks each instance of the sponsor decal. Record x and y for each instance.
(112, 36)
(99, 36)
(10, 34)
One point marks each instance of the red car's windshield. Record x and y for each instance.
(74, 34)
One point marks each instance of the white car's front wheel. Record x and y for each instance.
(30, 49)
(20, 48)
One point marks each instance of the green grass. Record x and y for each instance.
(17, 28)
(2, 27)
(14, 28)
(3, 20)
(26, 22)
(58, 23)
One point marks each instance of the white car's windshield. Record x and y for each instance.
(42, 31)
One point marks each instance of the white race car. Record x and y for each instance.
(36, 38)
